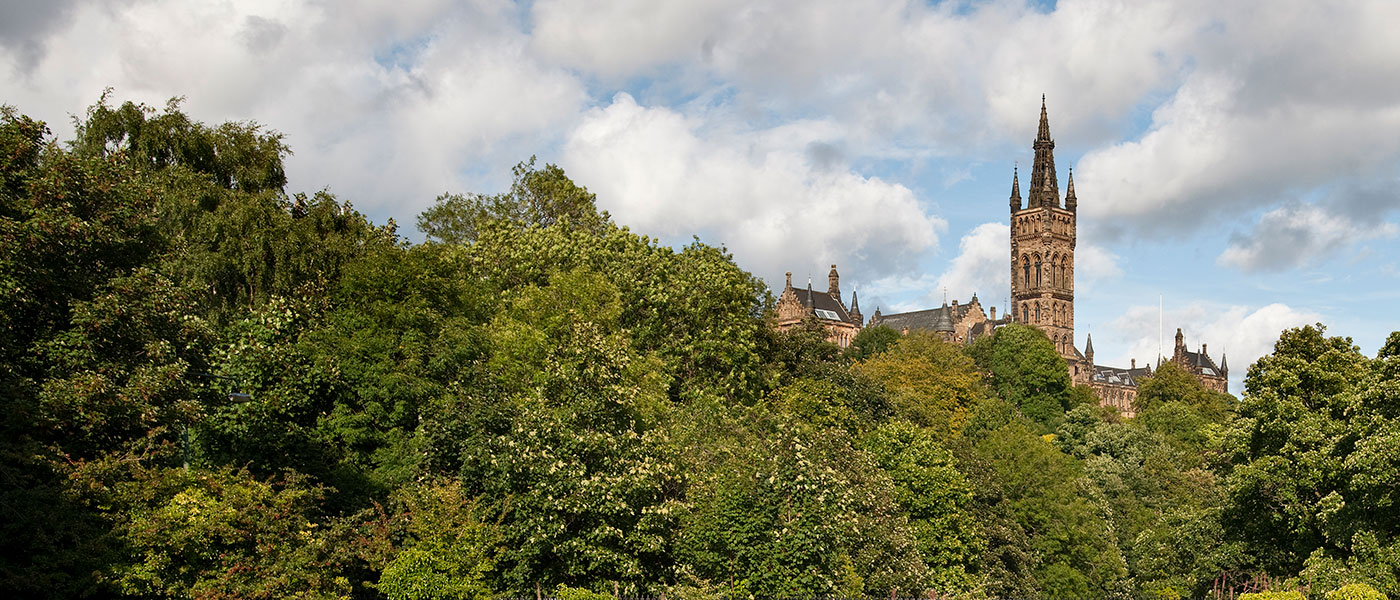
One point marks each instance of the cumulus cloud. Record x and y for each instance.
(1272, 107)
(757, 192)
(1240, 333)
(980, 267)
(1296, 235)
(387, 105)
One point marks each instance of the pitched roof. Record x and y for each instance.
(823, 301)
(927, 320)
(1117, 376)
(1203, 362)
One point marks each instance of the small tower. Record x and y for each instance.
(1015, 189)
(943, 323)
(1071, 202)
(833, 283)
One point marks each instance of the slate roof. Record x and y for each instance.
(1117, 376)
(814, 299)
(927, 320)
(1203, 362)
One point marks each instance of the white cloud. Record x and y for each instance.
(1273, 106)
(980, 267)
(1296, 235)
(757, 192)
(388, 105)
(1240, 333)
(1094, 265)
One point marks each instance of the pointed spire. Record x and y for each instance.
(1089, 347)
(1015, 188)
(943, 322)
(1224, 365)
(1044, 133)
(855, 303)
(1071, 202)
(1045, 187)
(809, 290)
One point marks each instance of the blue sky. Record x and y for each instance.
(1238, 160)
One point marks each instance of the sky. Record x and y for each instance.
(1236, 163)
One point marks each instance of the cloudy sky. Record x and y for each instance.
(1238, 161)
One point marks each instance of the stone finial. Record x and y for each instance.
(1071, 202)
(789, 280)
(1015, 188)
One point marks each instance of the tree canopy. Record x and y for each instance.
(215, 388)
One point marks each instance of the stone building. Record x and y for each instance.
(1213, 377)
(841, 323)
(1044, 232)
(959, 323)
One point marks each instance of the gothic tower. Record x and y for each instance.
(1042, 248)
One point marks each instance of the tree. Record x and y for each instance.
(871, 341)
(935, 497)
(1026, 371)
(537, 197)
(931, 382)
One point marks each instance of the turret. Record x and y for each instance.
(1224, 367)
(1180, 342)
(855, 308)
(943, 324)
(1015, 190)
(1071, 202)
(1089, 349)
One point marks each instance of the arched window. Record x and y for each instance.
(1025, 314)
(1055, 271)
(1064, 273)
(1026, 267)
(1037, 313)
(1037, 272)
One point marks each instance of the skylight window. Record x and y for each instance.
(826, 314)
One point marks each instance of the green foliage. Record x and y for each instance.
(871, 341)
(778, 509)
(1355, 591)
(931, 382)
(935, 497)
(1171, 384)
(1272, 595)
(223, 533)
(234, 155)
(538, 397)
(1026, 371)
(446, 552)
(540, 197)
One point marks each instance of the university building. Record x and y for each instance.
(1043, 235)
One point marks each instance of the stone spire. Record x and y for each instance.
(1070, 201)
(944, 322)
(1045, 186)
(1224, 366)
(1015, 189)
(855, 308)
(1089, 348)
